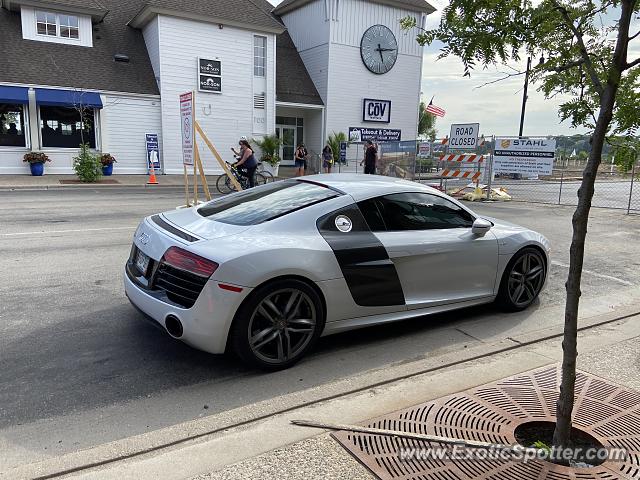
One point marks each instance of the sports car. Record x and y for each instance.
(265, 272)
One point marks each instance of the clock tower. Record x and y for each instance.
(356, 53)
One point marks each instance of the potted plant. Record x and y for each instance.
(107, 160)
(36, 162)
(270, 156)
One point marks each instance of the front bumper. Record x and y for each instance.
(206, 324)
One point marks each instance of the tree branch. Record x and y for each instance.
(629, 65)
(593, 75)
(633, 36)
(568, 66)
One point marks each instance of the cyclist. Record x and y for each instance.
(247, 162)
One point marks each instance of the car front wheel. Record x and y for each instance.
(277, 325)
(522, 280)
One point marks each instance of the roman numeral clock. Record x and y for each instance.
(379, 49)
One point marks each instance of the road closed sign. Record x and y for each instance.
(464, 136)
(528, 156)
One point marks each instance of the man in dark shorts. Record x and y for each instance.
(370, 155)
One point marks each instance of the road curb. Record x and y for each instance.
(174, 436)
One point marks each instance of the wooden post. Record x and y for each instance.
(195, 163)
(186, 185)
(203, 178)
(218, 157)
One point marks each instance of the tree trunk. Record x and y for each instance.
(564, 406)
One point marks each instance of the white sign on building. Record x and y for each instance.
(186, 119)
(376, 110)
(528, 156)
(464, 136)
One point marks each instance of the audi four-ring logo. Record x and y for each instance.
(144, 238)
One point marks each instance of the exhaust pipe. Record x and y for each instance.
(173, 326)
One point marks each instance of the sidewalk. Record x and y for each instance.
(47, 182)
(259, 442)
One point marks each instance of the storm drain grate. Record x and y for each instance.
(491, 413)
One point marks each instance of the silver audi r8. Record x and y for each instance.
(265, 272)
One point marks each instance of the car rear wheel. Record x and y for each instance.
(522, 280)
(277, 325)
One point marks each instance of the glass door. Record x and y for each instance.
(287, 136)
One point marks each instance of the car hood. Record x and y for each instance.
(189, 220)
(504, 225)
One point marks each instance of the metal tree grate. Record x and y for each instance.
(491, 413)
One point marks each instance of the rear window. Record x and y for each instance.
(266, 202)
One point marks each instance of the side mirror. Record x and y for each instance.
(481, 227)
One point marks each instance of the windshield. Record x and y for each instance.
(266, 202)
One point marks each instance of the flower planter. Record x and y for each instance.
(107, 170)
(37, 169)
(271, 169)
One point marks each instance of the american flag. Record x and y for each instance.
(437, 111)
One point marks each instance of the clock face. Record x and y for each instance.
(379, 49)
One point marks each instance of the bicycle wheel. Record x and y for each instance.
(268, 176)
(223, 184)
(260, 179)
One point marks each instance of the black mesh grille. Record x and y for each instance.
(181, 287)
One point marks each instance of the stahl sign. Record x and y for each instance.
(376, 110)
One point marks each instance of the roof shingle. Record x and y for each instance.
(293, 83)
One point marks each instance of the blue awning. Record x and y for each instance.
(14, 94)
(67, 98)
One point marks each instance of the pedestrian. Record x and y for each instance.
(370, 156)
(327, 158)
(247, 162)
(300, 160)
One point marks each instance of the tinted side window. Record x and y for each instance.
(372, 215)
(421, 211)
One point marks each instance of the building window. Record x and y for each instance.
(68, 26)
(57, 25)
(259, 55)
(62, 127)
(12, 125)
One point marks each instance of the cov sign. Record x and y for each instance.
(464, 136)
(186, 119)
(153, 150)
(376, 110)
(529, 156)
(362, 134)
(209, 75)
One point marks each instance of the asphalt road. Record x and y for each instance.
(80, 368)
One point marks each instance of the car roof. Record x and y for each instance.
(361, 186)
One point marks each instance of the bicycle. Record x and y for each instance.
(225, 185)
(268, 175)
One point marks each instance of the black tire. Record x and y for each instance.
(271, 332)
(222, 184)
(260, 179)
(522, 280)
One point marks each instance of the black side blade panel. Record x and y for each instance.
(370, 274)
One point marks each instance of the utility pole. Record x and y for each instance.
(524, 95)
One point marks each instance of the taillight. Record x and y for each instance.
(179, 258)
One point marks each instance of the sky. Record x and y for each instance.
(496, 107)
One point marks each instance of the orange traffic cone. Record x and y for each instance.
(152, 177)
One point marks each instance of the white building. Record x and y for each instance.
(302, 70)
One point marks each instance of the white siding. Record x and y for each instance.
(29, 32)
(11, 161)
(224, 117)
(308, 25)
(126, 120)
(355, 16)
(151, 33)
(350, 82)
(316, 61)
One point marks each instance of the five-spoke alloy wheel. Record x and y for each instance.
(278, 324)
(523, 279)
